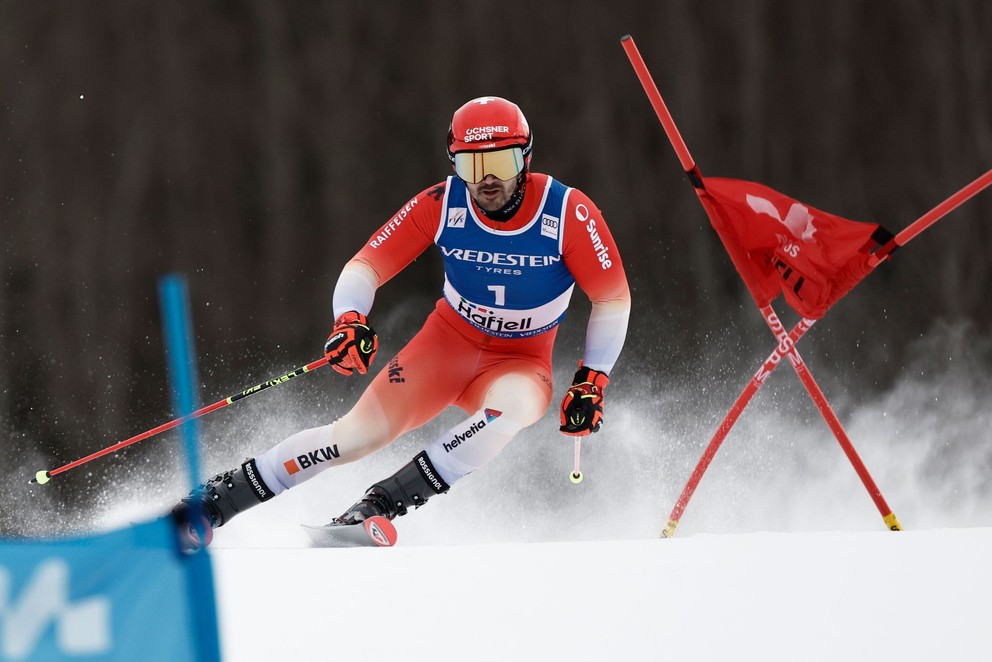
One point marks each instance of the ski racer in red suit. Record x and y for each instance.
(513, 243)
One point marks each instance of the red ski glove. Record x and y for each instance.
(352, 344)
(582, 407)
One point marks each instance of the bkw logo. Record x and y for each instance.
(82, 628)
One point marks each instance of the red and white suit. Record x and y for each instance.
(487, 346)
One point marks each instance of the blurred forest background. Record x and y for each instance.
(254, 146)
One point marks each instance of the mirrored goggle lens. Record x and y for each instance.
(501, 164)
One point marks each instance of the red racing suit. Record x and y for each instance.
(476, 333)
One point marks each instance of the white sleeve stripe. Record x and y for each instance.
(605, 335)
(355, 290)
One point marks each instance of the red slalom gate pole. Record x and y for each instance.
(689, 165)
(43, 477)
(802, 371)
(660, 109)
(902, 238)
(923, 222)
(820, 400)
(784, 347)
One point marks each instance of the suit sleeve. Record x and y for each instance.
(388, 251)
(594, 260)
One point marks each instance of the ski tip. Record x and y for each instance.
(193, 537)
(625, 37)
(380, 531)
(40, 478)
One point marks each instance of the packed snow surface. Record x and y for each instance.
(911, 595)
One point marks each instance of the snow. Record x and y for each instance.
(911, 595)
(780, 555)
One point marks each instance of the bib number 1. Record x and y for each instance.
(500, 292)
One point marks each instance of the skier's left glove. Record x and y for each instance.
(352, 344)
(582, 407)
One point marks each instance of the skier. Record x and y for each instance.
(513, 243)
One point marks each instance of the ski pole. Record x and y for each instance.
(576, 475)
(43, 477)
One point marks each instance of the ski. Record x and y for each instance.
(374, 532)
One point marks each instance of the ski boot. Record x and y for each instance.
(410, 487)
(215, 502)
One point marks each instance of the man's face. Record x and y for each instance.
(491, 193)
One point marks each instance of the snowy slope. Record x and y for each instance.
(781, 554)
(913, 595)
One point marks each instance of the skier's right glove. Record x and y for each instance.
(352, 344)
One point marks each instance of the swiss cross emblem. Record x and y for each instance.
(798, 220)
(484, 100)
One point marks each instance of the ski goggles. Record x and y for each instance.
(502, 164)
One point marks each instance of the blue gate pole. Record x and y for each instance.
(178, 332)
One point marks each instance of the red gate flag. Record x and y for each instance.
(779, 244)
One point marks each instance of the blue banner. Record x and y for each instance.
(126, 595)
(122, 595)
